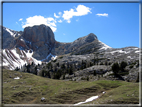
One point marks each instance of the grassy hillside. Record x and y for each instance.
(29, 89)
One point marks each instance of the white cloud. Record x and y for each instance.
(104, 14)
(60, 21)
(79, 11)
(38, 20)
(20, 19)
(60, 13)
(82, 10)
(68, 21)
(56, 15)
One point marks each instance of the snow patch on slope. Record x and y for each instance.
(11, 33)
(50, 56)
(125, 51)
(119, 51)
(89, 99)
(104, 46)
(12, 59)
(137, 51)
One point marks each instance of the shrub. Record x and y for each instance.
(123, 65)
(115, 68)
(87, 78)
(61, 57)
(55, 60)
(101, 63)
(131, 66)
(95, 73)
(16, 69)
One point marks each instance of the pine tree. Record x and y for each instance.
(123, 65)
(70, 71)
(35, 70)
(87, 78)
(137, 80)
(95, 73)
(115, 68)
(63, 76)
(57, 64)
(28, 68)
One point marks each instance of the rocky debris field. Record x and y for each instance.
(90, 67)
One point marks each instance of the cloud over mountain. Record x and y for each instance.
(38, 20)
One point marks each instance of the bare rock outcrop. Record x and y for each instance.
(83, 45)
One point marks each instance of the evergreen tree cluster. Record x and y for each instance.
(116, 68)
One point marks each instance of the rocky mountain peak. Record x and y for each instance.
(39, 33)
(90, 37)
(9, 37)
(39, 38)
(38, 43)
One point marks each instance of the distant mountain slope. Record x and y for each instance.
(9, 38)
(36, 41)
(84, 45)
(39, 42)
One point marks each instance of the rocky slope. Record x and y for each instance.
(8, 38)
(39, 45)
(94, 66)
(34, 44)
(84, 45)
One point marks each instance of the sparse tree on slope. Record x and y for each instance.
(115, 68)
(123, 65)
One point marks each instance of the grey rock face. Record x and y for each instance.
(133, 75)
(41, 42)
(8, 38)
(37, 41)
(90, 38)
(40, 39)
(83, 45)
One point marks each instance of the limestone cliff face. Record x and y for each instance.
(40, 39)
(39, 36)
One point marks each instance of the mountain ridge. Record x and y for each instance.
(40, 43)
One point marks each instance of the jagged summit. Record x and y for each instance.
(39, 42)
(90, 37)
(42, 25)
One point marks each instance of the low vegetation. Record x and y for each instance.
(32, 89)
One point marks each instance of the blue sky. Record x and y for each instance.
(115, 24)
